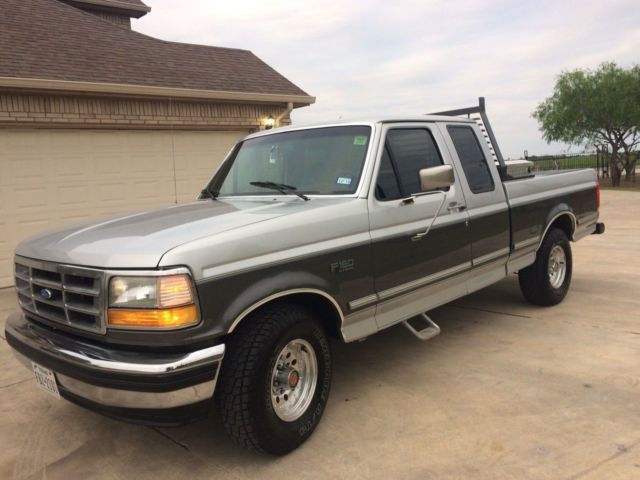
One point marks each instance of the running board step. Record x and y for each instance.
(422, 326)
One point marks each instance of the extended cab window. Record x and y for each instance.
(472, 159)
(406, 152)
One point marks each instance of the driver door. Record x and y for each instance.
(413, 271)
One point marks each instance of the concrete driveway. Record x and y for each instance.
(507, 391)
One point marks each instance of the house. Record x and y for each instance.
(97, 119)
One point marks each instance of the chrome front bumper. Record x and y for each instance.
(115, 378)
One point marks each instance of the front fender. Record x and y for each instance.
(265, 290)
(224, 301)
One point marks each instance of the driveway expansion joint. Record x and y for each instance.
(184, 446)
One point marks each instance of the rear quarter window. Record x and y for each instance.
(474, 163)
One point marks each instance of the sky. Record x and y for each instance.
(383, 58)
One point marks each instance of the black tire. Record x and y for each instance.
(243, 395)
(534, 280)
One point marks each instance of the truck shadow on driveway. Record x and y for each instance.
(383, 361)
(370, 379)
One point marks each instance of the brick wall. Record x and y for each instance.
(21, 110)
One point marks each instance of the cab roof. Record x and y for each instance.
(368, 121)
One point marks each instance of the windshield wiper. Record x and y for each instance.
(282, 188)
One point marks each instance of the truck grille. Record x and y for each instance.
(62, 294)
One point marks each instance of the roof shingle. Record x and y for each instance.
(47, 39)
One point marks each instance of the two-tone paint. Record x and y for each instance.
(360, 261)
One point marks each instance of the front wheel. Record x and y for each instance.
(275, 380)
(547, 281)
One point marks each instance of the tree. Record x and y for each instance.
(599, 106)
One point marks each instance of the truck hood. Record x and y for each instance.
(139, 240)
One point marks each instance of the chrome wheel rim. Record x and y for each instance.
(294, 379)
(557, 268)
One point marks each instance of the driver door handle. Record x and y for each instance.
(456, 207)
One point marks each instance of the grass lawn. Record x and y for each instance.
(605, 183)
(565, 163)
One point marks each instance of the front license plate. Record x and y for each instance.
(45, 379)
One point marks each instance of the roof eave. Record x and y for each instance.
(69, 86)
(132, 10)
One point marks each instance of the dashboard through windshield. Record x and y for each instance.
(317, 161)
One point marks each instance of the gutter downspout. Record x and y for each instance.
(286, 112)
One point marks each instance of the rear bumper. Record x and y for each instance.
(144, 387)
(599, 229)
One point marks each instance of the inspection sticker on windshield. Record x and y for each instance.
(344, 181)
(360, 140)
(45, 379)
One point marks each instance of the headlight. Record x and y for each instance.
(152, 302)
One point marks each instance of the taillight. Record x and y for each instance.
(597, 195)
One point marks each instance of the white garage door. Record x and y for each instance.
(49, 178)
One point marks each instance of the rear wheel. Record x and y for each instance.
(547, 281)
(275, 379)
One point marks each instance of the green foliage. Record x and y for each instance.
(599, 106)
(591, 106)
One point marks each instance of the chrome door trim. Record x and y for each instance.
(363, 323)
(490, 256)
(526, 243)
(361, 302)
(406, 287)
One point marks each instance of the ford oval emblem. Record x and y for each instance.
(46, 293)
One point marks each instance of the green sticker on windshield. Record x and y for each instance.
(360, 140)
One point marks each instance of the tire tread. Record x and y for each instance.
(237, 381)
(534, 281)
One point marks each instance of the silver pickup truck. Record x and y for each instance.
(303, 234)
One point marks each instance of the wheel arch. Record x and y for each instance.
(560, 217)
(319, 301)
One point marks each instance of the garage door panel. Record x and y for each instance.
(31, 198)
(6, 272)
(150, 191)
(30, 226)
(22, 169)
(69, 167)
(197, 160)
(54, 178)
(73, 195)
(6, 252)
(3, 237)
(3, 201)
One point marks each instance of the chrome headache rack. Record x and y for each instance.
(62, 294)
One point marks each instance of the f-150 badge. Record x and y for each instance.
(342, 266)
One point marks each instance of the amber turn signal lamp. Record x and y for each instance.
(153, 318)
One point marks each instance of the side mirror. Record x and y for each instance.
(436, 178)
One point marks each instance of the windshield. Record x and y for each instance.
(319, 161)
